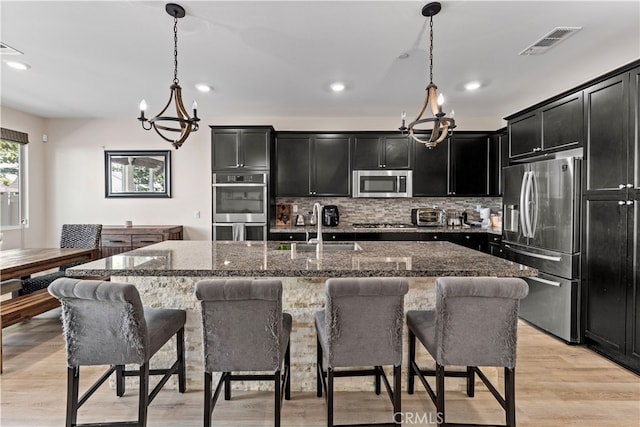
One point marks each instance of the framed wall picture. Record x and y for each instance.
(137, 173)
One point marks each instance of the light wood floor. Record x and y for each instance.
(556, 385)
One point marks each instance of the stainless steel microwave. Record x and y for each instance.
(382, 183)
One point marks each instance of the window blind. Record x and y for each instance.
(14, 136)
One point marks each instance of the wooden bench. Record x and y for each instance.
(16, 310)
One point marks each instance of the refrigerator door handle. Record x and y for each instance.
(546, 282)
(523, 210)
(533, 212)
(526, 209)
(531, 254)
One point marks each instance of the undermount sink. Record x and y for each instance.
(328, 246)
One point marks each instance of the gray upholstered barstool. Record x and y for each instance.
(244, 329)
(474, 324)
(361, 326)
(105, 324)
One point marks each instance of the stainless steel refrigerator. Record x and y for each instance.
(541, 229)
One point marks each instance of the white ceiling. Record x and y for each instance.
(276, 59)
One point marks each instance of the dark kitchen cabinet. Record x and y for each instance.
(562, 122)
(557, 125)
(607, 129)
(498, 158)
(238, 148)
(611, 221)
(431, 170)
(524, 135)
(313, 165)
(469, 165)
(382, 152)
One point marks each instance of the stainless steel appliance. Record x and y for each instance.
(382, 183)
(240, 204)
(330, 216)
(428, 217)
(541, 220)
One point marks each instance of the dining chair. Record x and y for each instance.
(72, 236)
(361, 326)
(474, 323)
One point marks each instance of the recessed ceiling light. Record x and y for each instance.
(473, 85)
(17, 65)
(403, 55)
(202, 87)
(337, 86)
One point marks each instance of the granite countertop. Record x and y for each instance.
(348, 228)
(278, 259)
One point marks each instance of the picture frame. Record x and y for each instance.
(137, 173)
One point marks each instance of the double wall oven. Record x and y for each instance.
(240, 206)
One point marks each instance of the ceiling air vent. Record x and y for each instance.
(5, 49)
(549, 40)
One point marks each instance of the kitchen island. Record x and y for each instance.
(165, 274)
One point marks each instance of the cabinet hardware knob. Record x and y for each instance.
(629, 202)
(621, 186)
(435, 237)
(629, 185)
(467, 237)
(621, 202)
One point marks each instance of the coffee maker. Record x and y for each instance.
(330, 216)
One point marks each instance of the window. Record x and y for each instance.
(11, 171)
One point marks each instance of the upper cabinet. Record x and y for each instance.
(382, 152)
(431, 170)
(469, 165)
(238, 148)
(459, 166)
(313, 165)
(554, 126)
(607, 127)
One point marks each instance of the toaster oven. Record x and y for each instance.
(428, 217)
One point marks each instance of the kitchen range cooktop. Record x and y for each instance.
(382, 225)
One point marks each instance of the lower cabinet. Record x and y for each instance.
(117, 239)
(476, 240)
(611, 278)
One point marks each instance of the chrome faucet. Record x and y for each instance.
(317, 212)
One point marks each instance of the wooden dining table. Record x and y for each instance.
(16, 263)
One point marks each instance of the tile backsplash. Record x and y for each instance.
(392, 210)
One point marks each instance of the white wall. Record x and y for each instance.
(75, 185)
(66, 174)
(33, 234)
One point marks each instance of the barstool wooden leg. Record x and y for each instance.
(278, 395)
(329, 397)
(73, 381)
(510, 396)
(471, 381)
(120, 381)
(207, 399)
(319, 372)
(440, 394)
(181, 368)
(287, 365)
(412, 357)
(397, 393)
(143, 402)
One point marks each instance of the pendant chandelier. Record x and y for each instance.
(167, 126)
(442, 125)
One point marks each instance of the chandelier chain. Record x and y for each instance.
(431, 49)
(175, 50)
